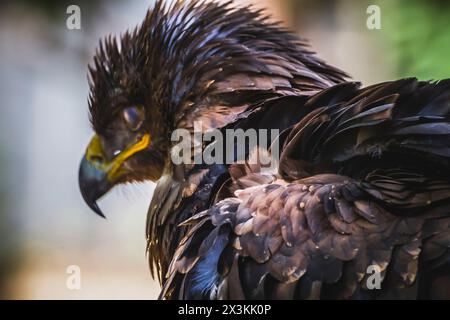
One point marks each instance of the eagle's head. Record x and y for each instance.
(190, 61)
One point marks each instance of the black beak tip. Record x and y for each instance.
(97, 210)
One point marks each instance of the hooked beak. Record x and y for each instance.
(97, 176)
(93, 184)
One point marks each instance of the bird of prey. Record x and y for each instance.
(363, 180)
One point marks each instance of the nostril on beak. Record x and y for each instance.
(96, 159)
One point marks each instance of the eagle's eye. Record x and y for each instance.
(134, 117)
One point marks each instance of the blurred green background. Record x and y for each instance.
(419, 33)
(44, 224)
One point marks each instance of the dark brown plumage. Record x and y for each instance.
(192, 60)
(363, 180)
(363, 176)
(217, 61)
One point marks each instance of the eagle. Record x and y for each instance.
(358, 205)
